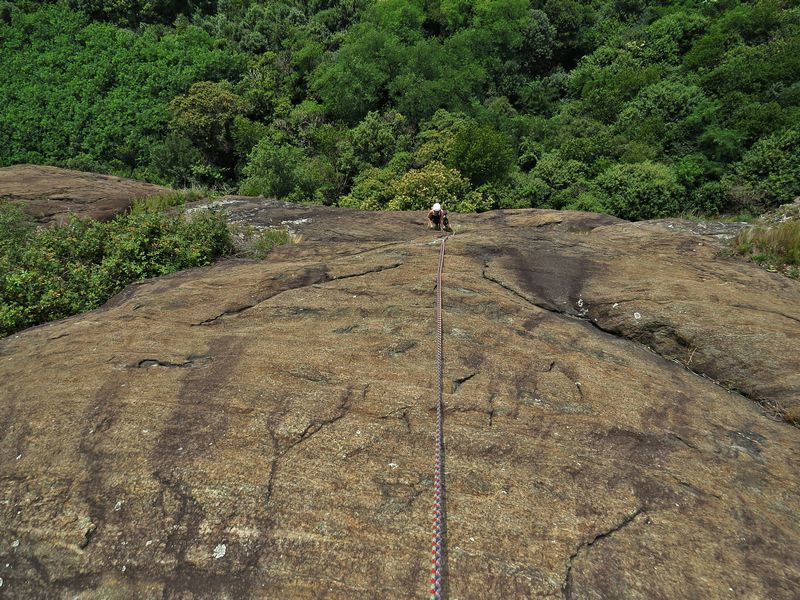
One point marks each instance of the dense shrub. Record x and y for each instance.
(639, 191)
(52, 273)
(420, 188)
(772, 167)
(372, 190)
(273, 168)
(374, 141)
(481, 154)
(209, 115)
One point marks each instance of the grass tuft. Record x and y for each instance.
(168, 200)
(776, 247)
(257, 243)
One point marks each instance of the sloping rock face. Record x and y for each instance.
(266, 429)
(50, 194)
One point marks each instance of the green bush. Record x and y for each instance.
(267, 240)
(374, 141)
(565, 180)
(52, 273)
(437, 137)
(639, 191)
(481, 154)
(372, 190)
(272, 168)
(301, 100)
(208, 115)
(772, 167)
(527, 190)
(586, 202)
(173, 160)
(420, 188)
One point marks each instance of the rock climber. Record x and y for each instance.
(437, 218)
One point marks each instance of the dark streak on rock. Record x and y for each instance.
(228, 312)
(99, 418)
(277, 286)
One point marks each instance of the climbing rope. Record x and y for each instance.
(438, 479)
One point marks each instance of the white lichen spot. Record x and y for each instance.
(637, 315)
(393, 465)
(19, 456)
(148, 543)
(15, 544)
(580, 301)
(124, 568)
(615, 305)
(118, 505)
(1, 582)
(219, 551)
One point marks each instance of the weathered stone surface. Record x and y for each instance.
(266, 429)
(50, 194)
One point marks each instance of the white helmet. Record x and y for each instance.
(437, 207)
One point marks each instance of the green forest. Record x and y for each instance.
(637, 108)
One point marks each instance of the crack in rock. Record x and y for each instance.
(566, 586)
(770, 412)
(311, 277)
(312, 428)
(403, 410)
(377, 269)
(459, 381)
(694, 489)
(154, 362)
(678, 438)
(770, 312)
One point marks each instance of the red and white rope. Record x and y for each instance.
(438, 480)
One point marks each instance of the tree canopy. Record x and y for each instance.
(639, 108)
